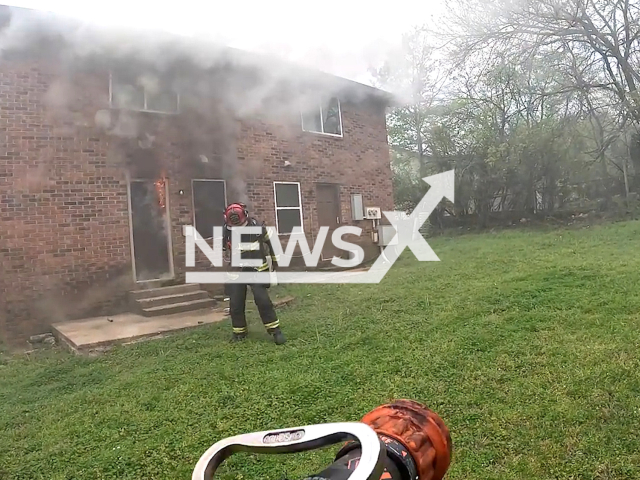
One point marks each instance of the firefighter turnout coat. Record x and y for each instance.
(253, 246)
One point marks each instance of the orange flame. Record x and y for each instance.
(160, 185)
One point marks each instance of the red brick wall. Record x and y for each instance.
(359, 162)
(65, 241)
(63, 208)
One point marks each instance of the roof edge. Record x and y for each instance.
(245, 57)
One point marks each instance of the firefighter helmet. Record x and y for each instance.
(236, 215)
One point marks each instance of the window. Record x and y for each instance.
(209, 201)
(148, 94)
(326, 119)
(288, 206)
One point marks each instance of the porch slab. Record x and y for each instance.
(97, 332)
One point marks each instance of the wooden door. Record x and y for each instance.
(329, 215)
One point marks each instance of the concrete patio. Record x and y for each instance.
(98, 333)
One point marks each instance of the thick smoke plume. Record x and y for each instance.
(218, 85)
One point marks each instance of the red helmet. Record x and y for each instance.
(236, 215)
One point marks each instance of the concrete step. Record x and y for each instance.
(164, 291)
(172, 299)
(181, 307)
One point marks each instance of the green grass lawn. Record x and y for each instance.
(526, 343)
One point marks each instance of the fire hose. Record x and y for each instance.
(403, 440)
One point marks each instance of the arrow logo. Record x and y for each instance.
(408, 227)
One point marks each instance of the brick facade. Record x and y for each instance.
(65, 240)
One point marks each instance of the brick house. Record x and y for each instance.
(106, 156)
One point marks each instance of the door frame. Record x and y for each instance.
(172, 274)
(337, 189)
(193, 203)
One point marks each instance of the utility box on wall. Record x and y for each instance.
(357, 208)
(372, 213)
(386, 234)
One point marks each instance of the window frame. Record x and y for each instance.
(299, 207)
(145, 109)
(193, 199)
(320, 104)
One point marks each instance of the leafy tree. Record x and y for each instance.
(416, 75)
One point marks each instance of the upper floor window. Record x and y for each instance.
(326, 118)
(146, 94)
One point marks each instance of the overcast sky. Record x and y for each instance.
(343, 38)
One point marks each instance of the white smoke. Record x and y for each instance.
(218, 85)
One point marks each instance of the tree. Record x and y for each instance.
(604, 33)
(599, 40)
(533, 103)
(408, 188)
(416, 75)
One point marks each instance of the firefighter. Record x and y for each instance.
(237, 215)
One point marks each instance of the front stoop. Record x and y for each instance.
(93, 335)
(82, 336)
(170, 300)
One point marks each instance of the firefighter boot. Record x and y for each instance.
(239, 334)
(238, 337)
(278, 336)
